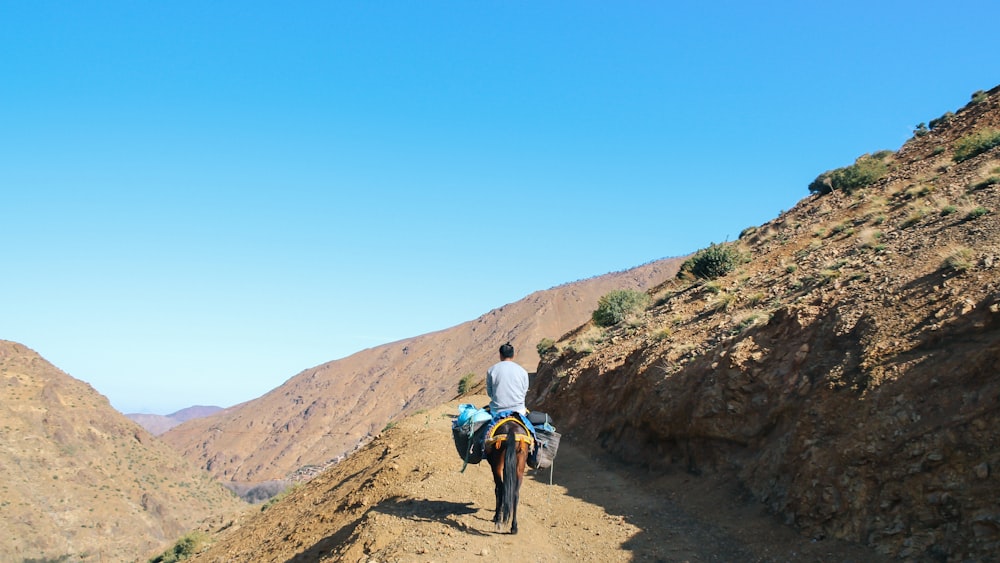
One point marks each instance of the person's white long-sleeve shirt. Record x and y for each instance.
(507, 384)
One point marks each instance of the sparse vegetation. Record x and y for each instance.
(991, 181)
(828, 275)
(715, 261)
(915, 217)
(723, 302)
(919, 190)
(979, 96)
(185, 547)
(976, 213)
(465, 384)
(866, 170)
(948, 210)
(959, 260)
(975, 144)
(746, 322)
(545, 346)
(840, 228)
(943, 120)
(584, 344)
(870, 237)
(616, 306)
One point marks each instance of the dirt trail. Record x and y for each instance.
(404, 499)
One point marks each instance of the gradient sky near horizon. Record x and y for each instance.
(198, 200)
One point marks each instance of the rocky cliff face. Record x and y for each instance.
(80, 482)
(326, 412)
(846, 374)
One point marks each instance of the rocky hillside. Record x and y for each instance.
(80, 482)
(323, 413)
(845, 374)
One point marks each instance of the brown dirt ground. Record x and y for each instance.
(404, 499)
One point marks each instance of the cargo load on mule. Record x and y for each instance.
(469, 430)
(546, 439)
(469, 433)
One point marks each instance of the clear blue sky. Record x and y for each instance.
(200, 199)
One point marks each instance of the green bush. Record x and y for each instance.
(184, 548)
(545, 346)
(821, 185)
(465, 384)
(715, 261)
(976, 144)
(617, 305)
(943, 120)
(866, 170)
(976, 213)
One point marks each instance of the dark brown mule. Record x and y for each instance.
(507, 451)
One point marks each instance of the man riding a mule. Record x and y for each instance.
(511, 438)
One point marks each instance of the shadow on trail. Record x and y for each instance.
(728, 526)
(401, 507)
(667, 532)
(429, 511)
(423, 509)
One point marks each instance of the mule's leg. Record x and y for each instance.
(496, 464)
(522, 458)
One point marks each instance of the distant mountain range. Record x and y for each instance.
(157, 424)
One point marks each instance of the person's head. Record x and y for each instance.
(506, 351)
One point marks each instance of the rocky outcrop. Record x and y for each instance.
(846, 375)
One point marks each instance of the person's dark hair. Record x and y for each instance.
(507, 351)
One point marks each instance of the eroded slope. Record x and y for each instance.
(846, 374)
(82, 482)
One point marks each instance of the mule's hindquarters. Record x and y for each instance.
(508, 470)
(511, 481)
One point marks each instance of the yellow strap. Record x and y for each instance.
(506, 420)
(503, 438)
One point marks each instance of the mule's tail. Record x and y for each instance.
(510, 484)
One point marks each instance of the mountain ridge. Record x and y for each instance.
(81, 481)
(323, 413)
(157, 424)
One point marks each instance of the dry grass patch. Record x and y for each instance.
(585, 342)
(870, 238)
(958, 259)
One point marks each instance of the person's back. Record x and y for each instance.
(507, 383)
